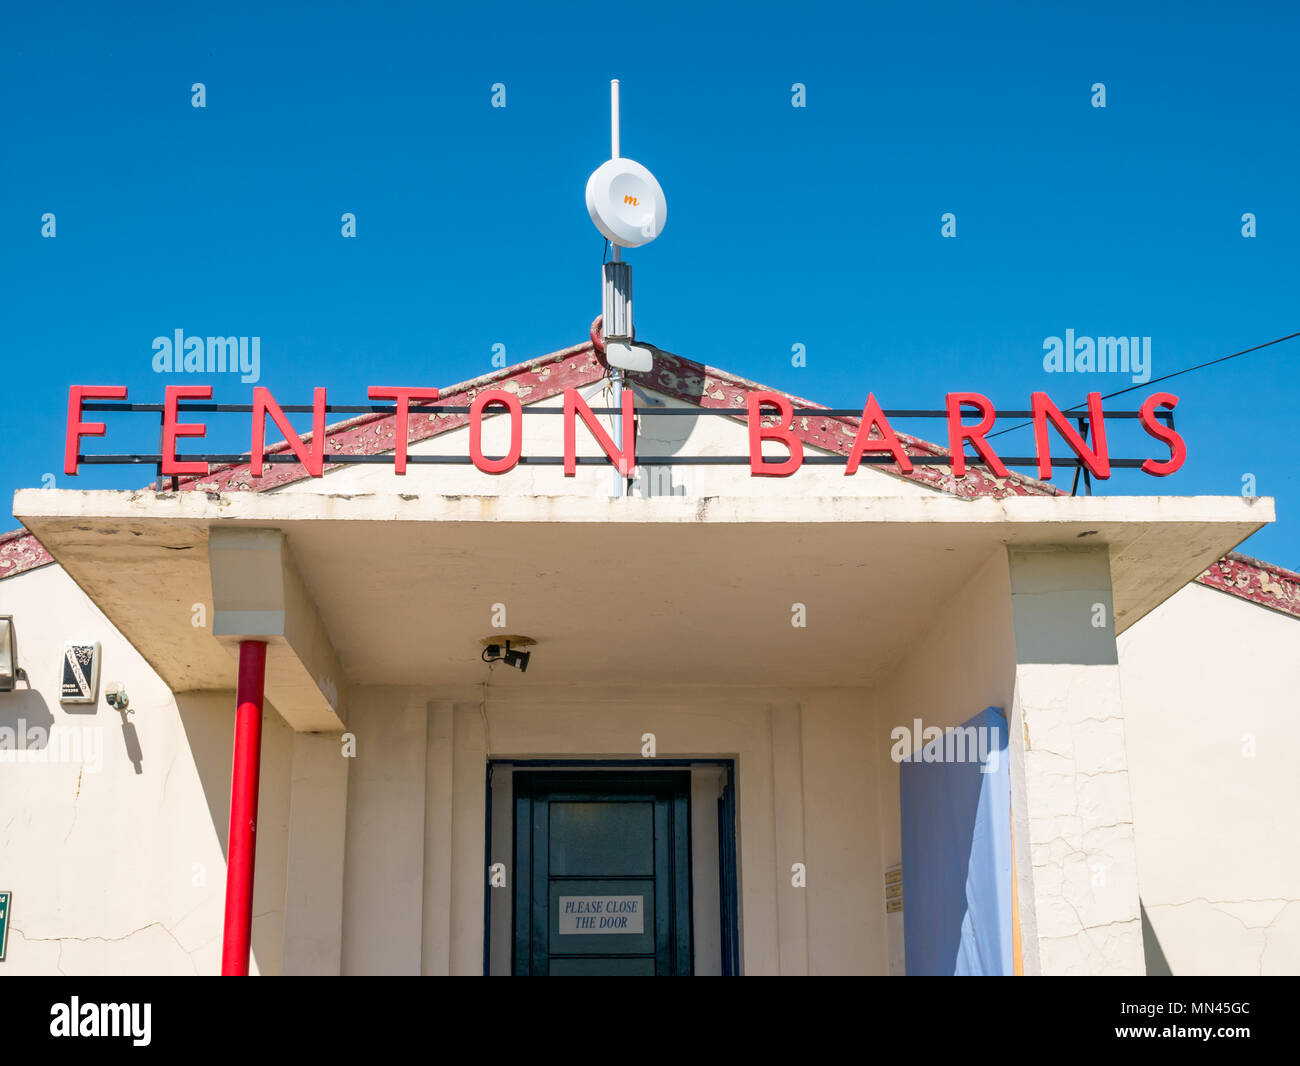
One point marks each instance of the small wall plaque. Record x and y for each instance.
(893, 890)
(80, 672)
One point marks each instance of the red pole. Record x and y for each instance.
(243, 808)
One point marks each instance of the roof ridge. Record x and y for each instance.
(1261, 583)
(1275, 568)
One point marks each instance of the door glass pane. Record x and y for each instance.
(608, 839)
(602, 967)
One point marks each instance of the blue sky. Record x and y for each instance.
(817, 226)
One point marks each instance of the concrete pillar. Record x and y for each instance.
(383, 878)
(469, 871)
(313, 895)
(706, 887)
(438, 800)
(1072, 817)
(500, 897)
(788, 825)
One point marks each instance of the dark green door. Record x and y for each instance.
(603, 874)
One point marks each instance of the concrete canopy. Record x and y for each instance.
(686, 590)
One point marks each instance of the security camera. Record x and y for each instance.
(117, 697)
(507, 650)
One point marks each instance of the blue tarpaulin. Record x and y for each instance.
(956, 822)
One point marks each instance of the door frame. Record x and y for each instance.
(729, 902)
(670, 793)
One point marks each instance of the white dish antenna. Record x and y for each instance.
(626, 203)
(623, 198)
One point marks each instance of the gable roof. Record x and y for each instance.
(682, 379)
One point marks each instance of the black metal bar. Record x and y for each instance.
(487, 881)
(1074, 485)
(162, 433)
(880, 459)
(1081, 469)
(730, 909)
(536, 409)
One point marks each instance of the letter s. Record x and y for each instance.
(1177, 448)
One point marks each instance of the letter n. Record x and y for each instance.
(574, 406)
(312, 459)
(1095, 459)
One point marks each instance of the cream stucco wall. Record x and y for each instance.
(804, 795)
(114, 845)
(1072, 814)
(1211, 688)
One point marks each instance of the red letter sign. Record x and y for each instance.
(76, 427)
(958, 434)
(403, 420)
(511, 403)
(1177, 449)
(575, 405)
(887, 442)
(1097, 461)
(312, 459)
(783, 432)
(173, 429)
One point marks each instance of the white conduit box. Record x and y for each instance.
(616, 302)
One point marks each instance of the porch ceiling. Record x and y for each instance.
(674, 589)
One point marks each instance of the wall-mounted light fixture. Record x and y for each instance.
(10, 671)
(505, 649)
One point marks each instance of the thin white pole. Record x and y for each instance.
(613, 119)
(620, 482)
(613, 137)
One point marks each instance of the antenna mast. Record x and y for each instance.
(622, 486)
(627, 205)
